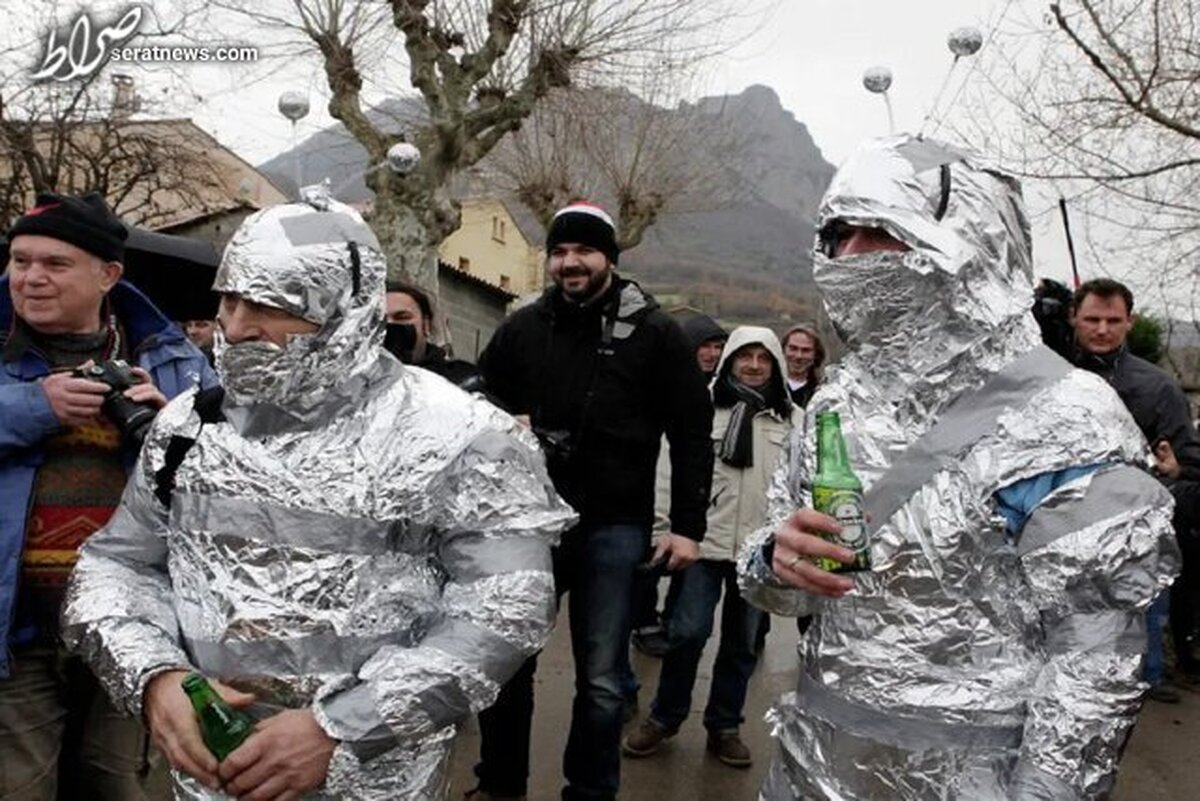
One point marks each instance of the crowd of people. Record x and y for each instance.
(361, 541)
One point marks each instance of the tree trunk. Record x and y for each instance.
(407, 244)
(410, 226)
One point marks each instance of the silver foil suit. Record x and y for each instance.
(357, 537)
(978, 659)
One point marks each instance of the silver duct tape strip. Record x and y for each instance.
(356, 715)
(447, 704)
(469, 643)
(263, 521)
(1111, 493)
(1114, 632)
(316, 654)
(959, 427)
(470, 558)
(321, 227)
(909, 733)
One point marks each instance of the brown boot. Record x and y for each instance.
(728, 747)
(645, 739)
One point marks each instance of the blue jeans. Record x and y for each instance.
(596, 564)
(1154, 668)
(689, 628)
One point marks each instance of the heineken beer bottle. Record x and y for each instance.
(837, 492)
(223, 727)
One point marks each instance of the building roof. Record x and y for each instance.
(198, 177)
(447, 270)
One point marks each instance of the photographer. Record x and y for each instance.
(66, 445)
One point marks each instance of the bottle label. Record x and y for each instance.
(844, 506)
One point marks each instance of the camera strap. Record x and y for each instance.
(207, 406)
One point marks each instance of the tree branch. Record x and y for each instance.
(1143, 106)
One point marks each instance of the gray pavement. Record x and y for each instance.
(1160, 764)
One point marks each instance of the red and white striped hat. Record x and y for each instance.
(584, 223)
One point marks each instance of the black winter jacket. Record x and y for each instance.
(1153, 398)
(605, 381)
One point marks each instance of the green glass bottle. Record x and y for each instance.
(837, 492)
(223, 727)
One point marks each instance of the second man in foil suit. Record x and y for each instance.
(994, 649)
(360, 546)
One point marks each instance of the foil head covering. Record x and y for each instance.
(319, 261)
(968, 265)
(927, 323)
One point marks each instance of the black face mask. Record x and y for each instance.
(400, 340)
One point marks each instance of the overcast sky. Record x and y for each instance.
(812, 52)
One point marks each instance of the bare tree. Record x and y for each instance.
(630, 151)
(481, 67)
(74, 139)
(87, 135)
(1104, 102)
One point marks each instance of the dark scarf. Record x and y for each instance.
(737, 447)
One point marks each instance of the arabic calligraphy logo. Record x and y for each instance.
(85, 51)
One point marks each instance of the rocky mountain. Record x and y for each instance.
(746, 258)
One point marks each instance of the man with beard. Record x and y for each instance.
(993, 649)
(601, 373)
(356, 551)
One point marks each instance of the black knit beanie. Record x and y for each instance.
(586, 224)
(85, 222)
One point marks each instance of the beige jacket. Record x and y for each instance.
(738, 503)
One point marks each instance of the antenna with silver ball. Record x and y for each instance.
(963, 42)
(878, 80)
(294, 106)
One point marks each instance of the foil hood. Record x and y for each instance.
(926, 324)
(318, 260)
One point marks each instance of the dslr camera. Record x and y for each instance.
(132, 419)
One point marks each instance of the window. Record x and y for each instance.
(498, 229)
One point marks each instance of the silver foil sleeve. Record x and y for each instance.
(1096, 554)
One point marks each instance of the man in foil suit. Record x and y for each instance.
(361, 547)
(994, 649)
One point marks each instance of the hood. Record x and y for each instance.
(700, 329)
(745, 335)
(927, 325)
(319, 261)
